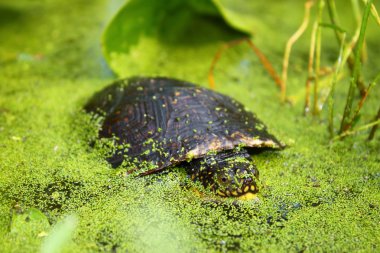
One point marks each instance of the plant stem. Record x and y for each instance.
(310, 73)
(318, 56)
(357, 15)
(374, 128)
(289, 46)
(354, 131)
(345, 124)
(266, 64)
(362, 100)
(263, 59)
(334, 20)
(333, 84)
(375, 15)
(224, 47)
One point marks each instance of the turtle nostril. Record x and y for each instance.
(248, 180)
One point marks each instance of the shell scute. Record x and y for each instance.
(167, 121)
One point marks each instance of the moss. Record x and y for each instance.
(314, 197)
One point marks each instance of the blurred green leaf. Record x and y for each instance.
(204, 7)
(60, 235)
(174, 37)
(29, 223)
(240, 14)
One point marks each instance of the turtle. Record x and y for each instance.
(158, 123)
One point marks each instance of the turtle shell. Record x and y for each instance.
(166, 121)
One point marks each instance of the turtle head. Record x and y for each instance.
(230, 175)
(235, 177)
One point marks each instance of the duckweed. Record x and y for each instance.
(314, 196)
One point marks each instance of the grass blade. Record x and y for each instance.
(333, 84)
(345, 124)
(362, 100)
(357, 15)
(375, 15)
(351, 60)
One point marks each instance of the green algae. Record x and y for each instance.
(314, 196)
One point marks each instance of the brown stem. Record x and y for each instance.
(263, 59)
(217, 56)
(267, 65)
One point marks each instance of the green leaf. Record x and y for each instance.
(174, 38)
(240, 14)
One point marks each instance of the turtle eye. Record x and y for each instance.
(223, 179)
